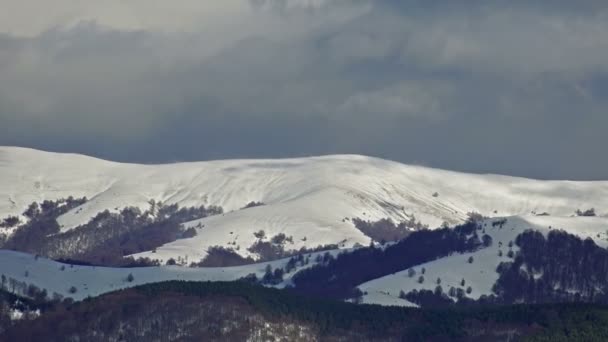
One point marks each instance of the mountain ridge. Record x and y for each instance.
(313, 200)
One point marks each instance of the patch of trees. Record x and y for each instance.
(272, 277)
(560, 267)
(10, 303)
(127, 262)
(487, 240)
(438, 299)
(297, 261)
(427, 298)
(499, 223)
(339, 277)
(9, 222)
(41, 223)
(219, 256)
(36, 295)
(274, 247)
(475, 217)
(588, 212)
(253, 204)
(173, 311)
(107, 237)
(383, 230)
(260, 234)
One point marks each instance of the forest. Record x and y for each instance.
(179, 311)
(560, 267)
(108, 237)
(338, 277)
(557, 268)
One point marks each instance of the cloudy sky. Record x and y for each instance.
(513, 87)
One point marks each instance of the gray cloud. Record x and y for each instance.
(508, 87)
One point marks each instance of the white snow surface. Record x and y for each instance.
(91, 281)
(481, 274)
(307, 198)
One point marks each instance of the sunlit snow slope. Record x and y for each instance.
(307, 198)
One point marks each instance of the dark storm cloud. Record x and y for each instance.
(492, 86)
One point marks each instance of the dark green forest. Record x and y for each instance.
(185, 311)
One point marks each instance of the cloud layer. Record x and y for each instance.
(492, 86)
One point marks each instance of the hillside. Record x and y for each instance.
(21, 271)
(311, 200)
(480, 274)
(554, 259)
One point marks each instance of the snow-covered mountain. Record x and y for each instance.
(313, 201)
(310, 199)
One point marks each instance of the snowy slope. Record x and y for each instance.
(92, 281)
(307, 198)
(481, 274)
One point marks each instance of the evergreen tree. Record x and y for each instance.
(267, 278)
(438, 290)
(487, 240)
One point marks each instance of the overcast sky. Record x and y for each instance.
(512, 87)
